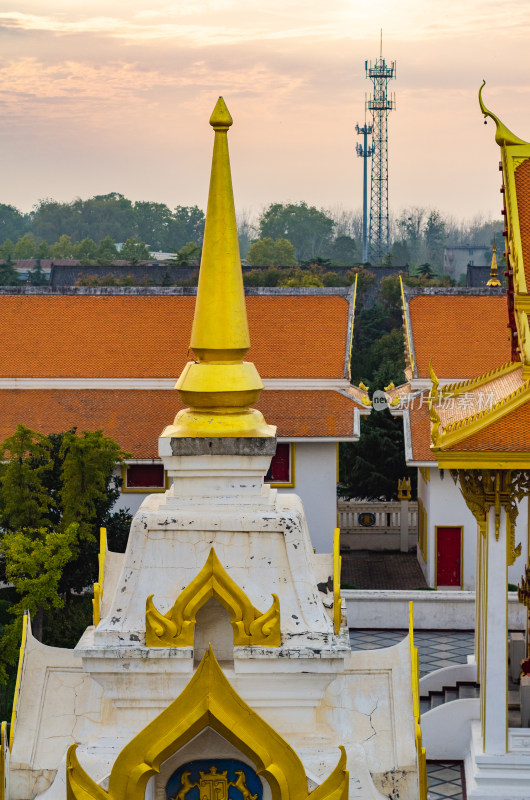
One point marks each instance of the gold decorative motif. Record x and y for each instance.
(473, 383)
(494, 278)
(494, 488)
(409, 356)
(523, 589)
(404, 489)
(337, 564)
(390, 386)
(219, 387)
(214, 785)
(364, 387)
(98, 587)
(503, 136)
(176, 627)
(354, 302)
(208, 701)
(20, 668)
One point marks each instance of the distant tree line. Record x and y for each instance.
(284, 234)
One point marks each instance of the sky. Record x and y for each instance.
(115, 96)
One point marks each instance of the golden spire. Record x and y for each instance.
(494, 279)
(220, 386)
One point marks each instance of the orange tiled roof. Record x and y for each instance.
(522, 188)
(136, 418)
(509, 434)
(463, 335)
(147, 336)
(420, 430)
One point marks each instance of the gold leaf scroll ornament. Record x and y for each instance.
(176, 627)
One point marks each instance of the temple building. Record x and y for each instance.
(85, 357)
(469, 435)
(219, 663)
(453, 335)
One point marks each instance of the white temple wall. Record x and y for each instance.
(316, 484)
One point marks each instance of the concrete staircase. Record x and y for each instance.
(463, 690)
(449, 700)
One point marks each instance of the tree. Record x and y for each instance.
(435, 239)
(369, 469)
(153, 224)
(344, 251)
(13, 224)
(25, 247)
(57, 485)
(8, 275)
(307, 228)
(425, 270)
(269, 253)
(106, 252)
(37, 276)
(134, 251)
(35, 560)
(189, 252)
(63, 248)
(7, 250)
(187, 225)
(86, 251)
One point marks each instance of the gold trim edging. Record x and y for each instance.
(208, 701)
(176, 627)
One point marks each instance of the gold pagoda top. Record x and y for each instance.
(219, 386)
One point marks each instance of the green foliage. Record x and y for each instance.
(37, 276)
(86, 251)
(25, 247)
(302, 277)
(7, 250)
(189, 252)
(269, 253)
(263, 277)
(106, 252)
(55, 493)
(35, 560)
(13, 224)
(370, 468)
(344, 251)
(306, 227)
(63, 248)
(8, 275)
(24, 501)
(134, 251)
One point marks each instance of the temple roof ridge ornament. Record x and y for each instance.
(503, 136)
(219, 386)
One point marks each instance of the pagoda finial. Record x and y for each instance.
(494, 278)
(220, 386)
(503, 136)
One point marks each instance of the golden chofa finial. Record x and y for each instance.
(503, 136)
(494, 278)
(219, 387)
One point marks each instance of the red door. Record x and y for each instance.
(448, 556)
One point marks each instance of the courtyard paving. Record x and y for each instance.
(373, 569)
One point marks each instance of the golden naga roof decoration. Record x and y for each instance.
(176, 627)
(219, 386)
(503, 136)
(208, 701)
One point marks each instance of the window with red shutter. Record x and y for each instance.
(145, 476)
(280, 468)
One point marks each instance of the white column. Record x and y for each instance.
(404, 526)
(495, 668)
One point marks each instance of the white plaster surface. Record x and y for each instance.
(316, 485)
(498, 777)
(437, 610)
(312, 689)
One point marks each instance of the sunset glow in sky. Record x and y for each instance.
(115, 96)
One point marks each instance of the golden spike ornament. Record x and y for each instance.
(219, 386)
(494, 278)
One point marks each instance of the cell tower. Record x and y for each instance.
(365, 151)
(379, 103)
